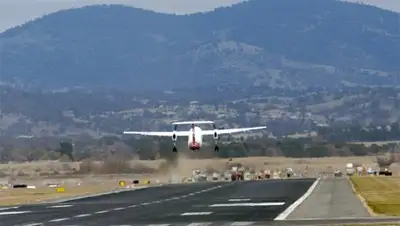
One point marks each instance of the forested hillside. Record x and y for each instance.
(269, 43)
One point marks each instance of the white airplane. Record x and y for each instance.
(195, 134)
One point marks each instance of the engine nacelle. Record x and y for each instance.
(174, 137)
(215, 135)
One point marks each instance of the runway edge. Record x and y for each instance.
(291, 208)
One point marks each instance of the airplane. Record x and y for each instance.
(195, 134)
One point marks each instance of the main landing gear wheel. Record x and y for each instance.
(174, 149)
(216, 148)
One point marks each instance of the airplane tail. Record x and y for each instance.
(193, 122)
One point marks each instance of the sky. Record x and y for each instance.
(15, 12)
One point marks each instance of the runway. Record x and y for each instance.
(221, 203)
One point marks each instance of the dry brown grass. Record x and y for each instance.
(25, 196)
(374, 224)
(382, 194)
(83, 185)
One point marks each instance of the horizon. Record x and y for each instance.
(33, 9)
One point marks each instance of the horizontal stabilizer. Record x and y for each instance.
(192, 122)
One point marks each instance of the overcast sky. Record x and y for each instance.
(14, 12)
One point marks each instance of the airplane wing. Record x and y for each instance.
(230, 131)
(159, 134)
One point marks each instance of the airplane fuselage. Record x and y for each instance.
(195, 140)
(195, 134)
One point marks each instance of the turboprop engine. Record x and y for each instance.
(215, 135)
(174, 137)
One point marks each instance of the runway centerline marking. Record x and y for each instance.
(238, 200)
(60, 206)
(102, 211)
(248, 204)
(242, 223)
(14, 212)
(199, 224)
(59, 219)
(158, 224)
(83, 215)
(147, 203)
(195, 213)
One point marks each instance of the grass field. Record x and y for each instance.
(29, 196)
(386, 224)
(73, 187)
(382, 194)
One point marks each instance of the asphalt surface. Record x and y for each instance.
(332, 198)
(227, 203)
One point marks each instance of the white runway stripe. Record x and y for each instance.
(238, 200)
(199, 224)
(292, 207)
(196, 213)
(242, 223)
(60, 219)
(60, 206)
(9, 208)
(248, 204)
(13, 212)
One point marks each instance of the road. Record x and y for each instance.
(236, 203)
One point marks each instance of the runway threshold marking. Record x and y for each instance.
(292, 207)
(248, 204)
(195, 213)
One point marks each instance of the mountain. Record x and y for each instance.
(274, 43)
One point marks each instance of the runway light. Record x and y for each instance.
(60, 189)
(122, 183)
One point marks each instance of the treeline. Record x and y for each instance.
(151, 149)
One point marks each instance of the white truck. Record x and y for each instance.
(350, 169)
(215, 176)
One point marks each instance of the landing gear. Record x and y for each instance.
(216, 148)
(174, 149)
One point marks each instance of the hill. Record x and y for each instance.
(275, 43)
